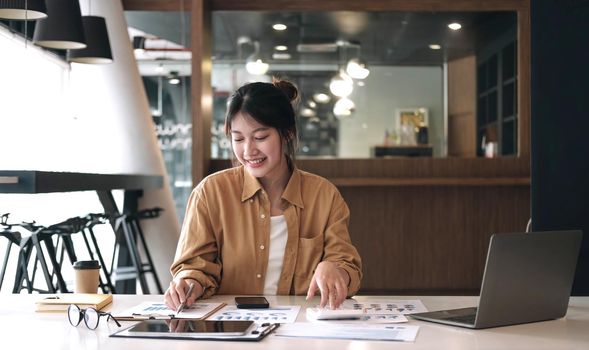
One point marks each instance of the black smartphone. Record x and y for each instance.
(251, 303)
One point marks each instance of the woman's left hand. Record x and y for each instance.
(332, 281)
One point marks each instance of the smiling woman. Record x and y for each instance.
(265, 227)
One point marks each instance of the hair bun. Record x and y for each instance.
(287, 88)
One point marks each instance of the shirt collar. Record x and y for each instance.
(292, 192)
(251, 185)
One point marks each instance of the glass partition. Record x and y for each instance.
(378, 83)
(161, 42)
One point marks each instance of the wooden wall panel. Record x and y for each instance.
(422, 167)
(430, 240)
(462, 107)
(202, 91)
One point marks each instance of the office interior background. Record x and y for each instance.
(501, 102)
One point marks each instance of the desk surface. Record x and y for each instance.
(32, 181)
(20, 325)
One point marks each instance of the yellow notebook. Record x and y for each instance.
(61, 302)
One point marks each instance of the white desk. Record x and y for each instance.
(21, 327)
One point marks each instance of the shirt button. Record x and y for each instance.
(263, 216)
(259, 276)
(251, 200)
(262, 247)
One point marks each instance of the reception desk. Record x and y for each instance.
(23, 328)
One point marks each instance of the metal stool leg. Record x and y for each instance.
(56, 266)
(111, 287)
(5, 263)
(41, 259)
(135, 258)
(22, 272)
(150, 261)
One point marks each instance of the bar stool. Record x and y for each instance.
(14, 238)
(43, 236)
(26, 246)
(131, 228)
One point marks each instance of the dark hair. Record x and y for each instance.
(270, 104)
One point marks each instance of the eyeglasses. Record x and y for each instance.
(90, 315)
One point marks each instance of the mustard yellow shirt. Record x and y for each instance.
(225, 236)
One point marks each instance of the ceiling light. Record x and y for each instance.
(23, 9)
(139, 44)
(98, 49)
(361, 83)
(343, 108)
(62, 28)
(308, 112)
(312, 104)
(257, 67)
(454, 26)
(357, 69)
(341, 85)
(279, 26)
(281, 56)
(280, 47)
(174, 78)
(254, 64)
(344, 103)
(321, 97)
(435, 46)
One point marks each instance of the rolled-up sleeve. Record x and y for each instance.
(338, 245)
(197, 254)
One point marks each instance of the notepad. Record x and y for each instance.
(61, 302)
(154, 310)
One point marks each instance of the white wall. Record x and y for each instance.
(92, 118)
(393, 87)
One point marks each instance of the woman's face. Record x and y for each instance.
(257, 147)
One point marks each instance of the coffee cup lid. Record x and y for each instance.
(86, 264)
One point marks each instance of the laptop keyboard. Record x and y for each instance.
(467, 319)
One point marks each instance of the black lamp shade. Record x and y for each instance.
(98, 49)
(23, 9)
(62, 29)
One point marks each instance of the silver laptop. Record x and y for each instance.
(528, 277)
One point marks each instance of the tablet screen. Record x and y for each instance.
(195, 327)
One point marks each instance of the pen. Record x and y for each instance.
(183, 304)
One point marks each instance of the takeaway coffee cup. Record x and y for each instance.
(86, 276)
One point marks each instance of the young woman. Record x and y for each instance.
(265, 227)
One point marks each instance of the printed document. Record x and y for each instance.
(276, 314)
(151, 310)
(348, 331)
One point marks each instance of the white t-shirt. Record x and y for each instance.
(278, 237)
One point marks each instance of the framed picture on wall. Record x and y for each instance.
(410, 126)
(414, 117)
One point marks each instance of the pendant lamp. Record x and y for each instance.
(98, 50)
(22, 9)
(62, 29)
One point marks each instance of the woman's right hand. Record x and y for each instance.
(176, 293)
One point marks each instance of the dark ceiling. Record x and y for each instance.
(384, 38)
